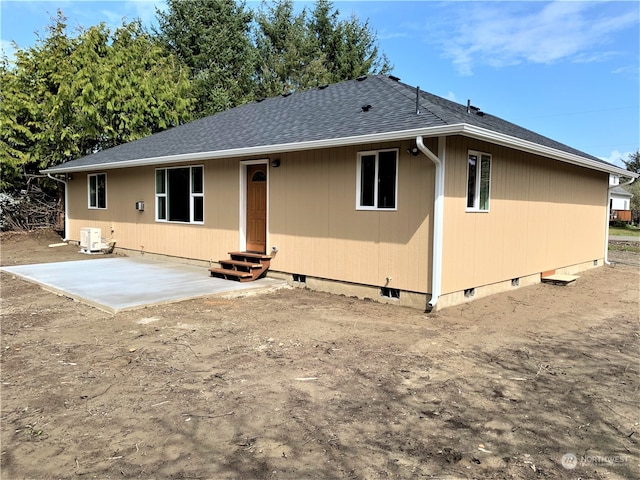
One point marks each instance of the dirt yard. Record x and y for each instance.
(297, 384)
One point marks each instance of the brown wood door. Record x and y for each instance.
(257, 208)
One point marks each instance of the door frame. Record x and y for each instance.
(242, 237)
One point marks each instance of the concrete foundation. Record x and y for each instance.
(409, 299)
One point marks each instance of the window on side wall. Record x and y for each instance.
(180, 194)
(97, 190)
(478, 181)
(377, 177)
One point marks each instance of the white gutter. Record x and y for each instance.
(438, 216)
(606, 235)
(531, 147)
(262, 150)
(66, 203)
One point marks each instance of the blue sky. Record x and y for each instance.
(566, 69)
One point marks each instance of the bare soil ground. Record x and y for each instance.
(299, 384)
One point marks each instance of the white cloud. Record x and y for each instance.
(451, 96)
(503, 34)
(617, 158)
(145, 10)
(115, 12)
(627, 69)
(388, 35)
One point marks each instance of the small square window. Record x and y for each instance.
(377, 180)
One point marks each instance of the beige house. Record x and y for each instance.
(368, 187)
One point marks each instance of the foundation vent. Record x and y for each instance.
(389, 292)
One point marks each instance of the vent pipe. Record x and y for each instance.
(469, 106)
(417, 100)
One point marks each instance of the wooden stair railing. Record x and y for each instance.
(242, 267)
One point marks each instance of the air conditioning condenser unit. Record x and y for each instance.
(90, 240)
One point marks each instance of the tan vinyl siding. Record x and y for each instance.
(312, 217)
(314, 222)
(543, 215)
(139, 231)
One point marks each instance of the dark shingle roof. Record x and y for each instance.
(333, 112)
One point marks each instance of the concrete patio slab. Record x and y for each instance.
(117, 284)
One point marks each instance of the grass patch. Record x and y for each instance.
(625, 231)
(624, 248)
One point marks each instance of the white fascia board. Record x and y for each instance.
(263, 150)
(535, 148)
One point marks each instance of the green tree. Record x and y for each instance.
(16, 139)
(35, 106)
(213, 38)
(289, 60)
(633, 164)
(126, 86)
(349, 47)
(304, 50)
(67, 97)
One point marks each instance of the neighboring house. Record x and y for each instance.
(368, 187)
(619, 204)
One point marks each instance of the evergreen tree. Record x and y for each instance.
(213, 38)
(304, 50)
(69, 97)
(349, 47)
(289, 60)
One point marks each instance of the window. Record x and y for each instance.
(97, 190)
(377, 179)
(478, 181)
(180, 194)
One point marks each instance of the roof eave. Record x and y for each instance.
(535, 148)
(264, 150)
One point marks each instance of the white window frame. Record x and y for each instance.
(477, 187)
(375, 206)
(192, 195)
(95, 176)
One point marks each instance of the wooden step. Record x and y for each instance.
(249, 255)
(558, 279)
(239, 263)
(231, 274)
(243, 266)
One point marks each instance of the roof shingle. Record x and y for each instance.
(333, 112)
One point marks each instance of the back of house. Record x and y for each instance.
(369, 187)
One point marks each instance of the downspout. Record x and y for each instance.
(438, 217)
(66, 203)
(606, 235)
